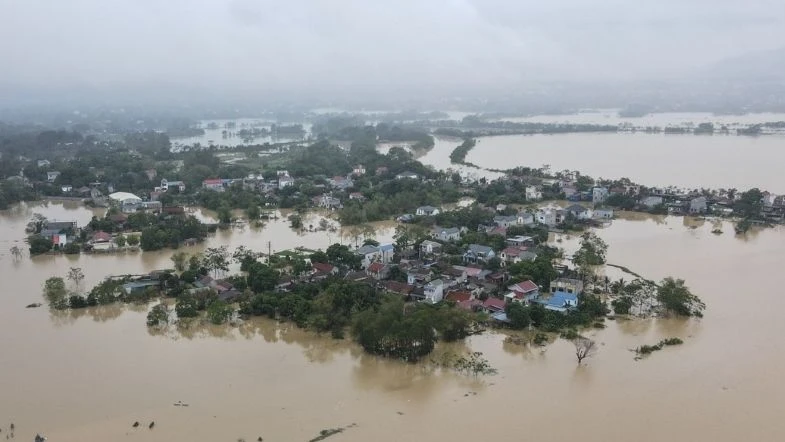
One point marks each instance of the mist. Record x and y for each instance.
(323, 50)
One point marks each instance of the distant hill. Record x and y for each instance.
(750, 67)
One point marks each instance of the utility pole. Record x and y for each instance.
(269, 251)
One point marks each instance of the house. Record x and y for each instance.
(567, 285)
(501, 207)
(579, 212)
(569, 192)
(327, 202)
(505, 221)
(215, 184)
(399, 288)
(67, 188)
(358, 170)
(651, 202)
(173, 210)
(370, 254)
(61, 226)
(599, 195)
(378, 271)
(418, 276)
(523, 292)
(166, 185)
(52, 176)
(559, 301)
(101, 236)
(407, 175)
(478, 253)
(357, 196)
(341, 182)
(459, 296)
(43, 163)
(322, 268)
(525, 219)
(520, 240)
(494, 305)
(282, 173)
(602, 213)
(381, 170)
(285, 181)
(698, 205)
(533, 193)
(434, 291)
(427, 211)
(139, 286)
(516, 254)
(446, 234)
(429, 247)
(550, 217)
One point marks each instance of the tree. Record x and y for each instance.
(261, 277)
(158, 315)
(39, 245)
(76, 275)
(295, 221)
(218, 312)
(216, 259)
(518, 315)
(55, 293)
(133, 240)
(584, 348)
(750, 204)
(224, 215)
(370, 242)
(474, 364)
(187, 307)
(253, 212)
(120, 240)
(16, 252)
(676, 298)
(319, 256)
(178, 259)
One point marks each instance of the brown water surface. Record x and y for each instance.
(88, 375)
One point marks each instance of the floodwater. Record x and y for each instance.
(215, 136)
(691, 161)
(663, 119)
(89, 375)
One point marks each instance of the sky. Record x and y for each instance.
(259, 46)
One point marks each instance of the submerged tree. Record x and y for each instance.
(158, 315)
(677, 299)
(584, 348)
(76, 275)
(216, 260)
(55, 293)
(179, 259)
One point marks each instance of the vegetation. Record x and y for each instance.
(584, 348)
(644, 350)
(458, 155)
(677, 299)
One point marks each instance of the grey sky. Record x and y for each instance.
(261, 45)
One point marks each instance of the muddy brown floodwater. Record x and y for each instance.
(89, 375)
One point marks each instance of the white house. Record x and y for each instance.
(533, 193)
(549, 217)
(599, 195)
(430, 247)
(67, 188)
(603, 213)
(52, 176)
(166, 185)
(370, 254)
(451, 234)
(652, 201)
(407, 175)
(285, 181)
(434, 291)
(358, 170)
(579, 212)
(44, 163)
(427, 211)
(698, 205)
(525, 219)
(505, 221)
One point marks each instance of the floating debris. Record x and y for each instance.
(136, 424)
(152, 424)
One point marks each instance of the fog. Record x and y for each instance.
(242, 48)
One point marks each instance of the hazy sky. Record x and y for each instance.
(262, 45)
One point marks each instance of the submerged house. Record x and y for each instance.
(559, 301)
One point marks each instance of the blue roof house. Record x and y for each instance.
(560, 301)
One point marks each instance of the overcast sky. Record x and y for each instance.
(260, 45)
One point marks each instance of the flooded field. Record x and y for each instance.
(694, 161)
(89, 375)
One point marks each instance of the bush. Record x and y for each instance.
(72, 249)
(158, 314)
(540, 339)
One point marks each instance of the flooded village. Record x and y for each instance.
(501, 250)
